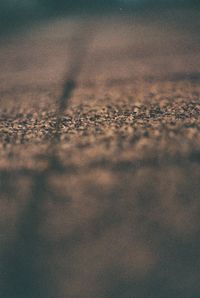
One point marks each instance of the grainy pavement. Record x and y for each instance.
(100, 158)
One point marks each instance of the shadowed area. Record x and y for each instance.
(78, 47)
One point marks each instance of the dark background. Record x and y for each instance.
(13, 12)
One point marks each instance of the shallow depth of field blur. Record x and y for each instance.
(99, 149)
(15, 12)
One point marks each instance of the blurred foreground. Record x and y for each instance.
(100, 158)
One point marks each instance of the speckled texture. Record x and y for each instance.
(101, 198)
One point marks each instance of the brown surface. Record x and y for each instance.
(99, 161)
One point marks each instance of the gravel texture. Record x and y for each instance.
(100, 158)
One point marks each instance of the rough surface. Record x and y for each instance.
(100, 158)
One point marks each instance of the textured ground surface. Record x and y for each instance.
(100, 158)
